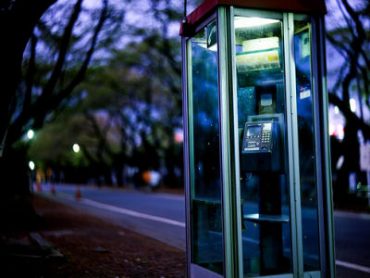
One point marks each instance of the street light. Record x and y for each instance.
(353, 104)
(179, 135)
(31, 165)
(30, 134)
(76, 148)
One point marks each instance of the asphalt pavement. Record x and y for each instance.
(162, 216)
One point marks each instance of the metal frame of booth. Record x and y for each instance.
(229, 157)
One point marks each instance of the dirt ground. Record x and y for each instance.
(92, 247)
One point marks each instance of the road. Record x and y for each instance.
(162, 217)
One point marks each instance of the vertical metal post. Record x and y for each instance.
(292, 141)
(318, 143)
(231, 233)
(368, 187)
(187, 146)
(328, 201)
(238, 216)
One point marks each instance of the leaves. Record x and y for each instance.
(124, 112)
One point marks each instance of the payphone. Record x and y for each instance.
(263, 181)
(261, 106)
(261, 167)
(256, 150)
(257, 137)
(260, 150)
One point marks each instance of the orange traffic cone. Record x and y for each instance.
(78, 194)
(52, 189)
(38, 187)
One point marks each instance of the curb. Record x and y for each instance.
(45, 246)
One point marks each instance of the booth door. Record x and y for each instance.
(206, 238)
(262, 125)
(307, 147)
(277, 159)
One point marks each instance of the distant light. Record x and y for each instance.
(332, 131)
(30, 134)
(340, 162)
(352, 104)
(340, 132)
(179, 136)
(245, 22)
(336, 110)
(31, 165)
(76, 148)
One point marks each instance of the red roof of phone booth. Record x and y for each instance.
(208, 6)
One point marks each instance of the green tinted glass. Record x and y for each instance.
(264, 186)
(306, 137)
(206, 208)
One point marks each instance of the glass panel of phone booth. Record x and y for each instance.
(306, 137)
(266, 232)
(204, 133)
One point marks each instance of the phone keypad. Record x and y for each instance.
(258, 141)
(265, 140)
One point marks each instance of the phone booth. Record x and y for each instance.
(257, 155)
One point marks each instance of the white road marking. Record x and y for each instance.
(353, 266)
(182, 224)
(170, 196)
(132, 213)
(364, 216)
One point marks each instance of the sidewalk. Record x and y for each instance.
(73, 244)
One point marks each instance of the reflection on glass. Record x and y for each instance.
(207, 241)
(310, 229)
(261, 121)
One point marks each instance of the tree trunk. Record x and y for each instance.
(15, 198)
(351, 152)
(17, 21)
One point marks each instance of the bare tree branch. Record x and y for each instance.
(37, 110)
(338, 83)
(348, 114)
(348, 21)
(339, 47)
(16, 26)
(30, 73)
(101, 133)
(64, 44)
(356, 45)
(57, 98)
(82, 71)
